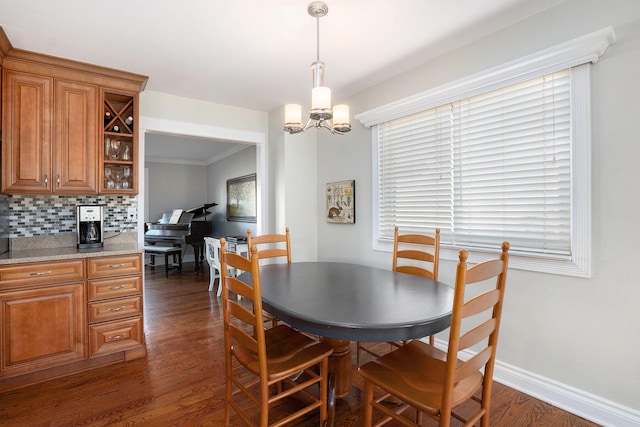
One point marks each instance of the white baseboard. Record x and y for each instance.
(571, 399)
(578, 402)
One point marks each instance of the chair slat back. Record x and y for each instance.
(482, 313)
(212, 251)
(243, 328)
(271, 246)
(416, 254)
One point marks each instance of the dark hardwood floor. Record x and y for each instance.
(181, 382)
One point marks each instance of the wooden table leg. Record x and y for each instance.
(340, 366)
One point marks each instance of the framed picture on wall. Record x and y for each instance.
(241, 199)
(341, 202)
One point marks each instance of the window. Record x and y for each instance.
(500, 156)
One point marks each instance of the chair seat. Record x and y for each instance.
(287, 351)
(162, 249)
(415, 372)
(167, 251)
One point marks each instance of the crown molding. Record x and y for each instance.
(582, 50)
(5, 44)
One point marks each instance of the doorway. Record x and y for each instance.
(210, 135)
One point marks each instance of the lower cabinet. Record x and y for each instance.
(116, 336)
(42, 327)
(60, 317)
(115, 304)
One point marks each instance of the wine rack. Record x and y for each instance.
(120, 148)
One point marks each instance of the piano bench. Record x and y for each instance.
(167, 251)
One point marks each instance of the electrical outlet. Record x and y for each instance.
(131, 213)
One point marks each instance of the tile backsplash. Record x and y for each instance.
(47, 215)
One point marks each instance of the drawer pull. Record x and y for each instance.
(115, 266)
(117, 308)
(115, 288)
(117, 337)
(40, 273)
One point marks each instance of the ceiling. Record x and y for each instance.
(255, 53)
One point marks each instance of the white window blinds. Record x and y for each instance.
(485, 169)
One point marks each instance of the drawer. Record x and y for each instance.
(114, 266)
(115, 309)
(116, 287)
(116, 336)
(41, 273)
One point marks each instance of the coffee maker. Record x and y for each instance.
(89, 226)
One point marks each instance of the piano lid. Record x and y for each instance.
(185, 218)
(199, 211)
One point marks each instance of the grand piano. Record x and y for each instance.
(189, 229)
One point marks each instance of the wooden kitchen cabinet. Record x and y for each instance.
(118, 164)
(54, 132)
(44, 316)
(75, 131)
(50, 139)
(67, 316)
(115, 305)
(27, 133)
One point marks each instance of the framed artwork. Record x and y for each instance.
(341, 202)
(241, 199)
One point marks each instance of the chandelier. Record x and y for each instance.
(321, 115)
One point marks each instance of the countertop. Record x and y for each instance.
(53, 254)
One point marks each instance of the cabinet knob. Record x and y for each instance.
(58, 180)
(46, 179)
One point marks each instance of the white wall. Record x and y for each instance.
(224, 118)
(169, 114)
(578, 333)
(239, 164)
(292, 190)
(173, 186)
(300, 210)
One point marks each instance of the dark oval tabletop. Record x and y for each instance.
(355, 302)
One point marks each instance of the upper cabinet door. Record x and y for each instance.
(27, 126)
(75, 157)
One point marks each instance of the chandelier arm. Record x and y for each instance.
(308, 124)
(326, 124)
(323, 124)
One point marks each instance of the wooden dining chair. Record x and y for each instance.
(432, 381)
(416, 254)
(266, 366)
(272, 248)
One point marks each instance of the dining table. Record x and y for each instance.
(345, 302)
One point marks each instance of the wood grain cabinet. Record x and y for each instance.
(118, 164)
(55, 128)
(62, 317)
(51, 129)
(43, 316)
(115, 304)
